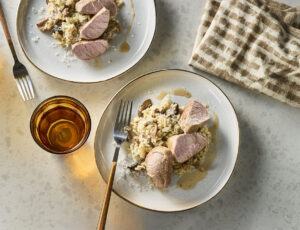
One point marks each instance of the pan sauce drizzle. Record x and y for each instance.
(125, 47)
(97, 64)
(176, 92)
(190, 180)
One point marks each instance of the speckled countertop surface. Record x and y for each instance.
(43, 191)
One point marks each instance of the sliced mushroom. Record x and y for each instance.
(66, 11)
(155, 111)
(150, 142)
(128, 129)
(154, 133)
(146, 104)
(41, 24)
(133, 166)
(164, 138)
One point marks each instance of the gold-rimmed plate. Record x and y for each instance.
(42, 51)
(135, 188)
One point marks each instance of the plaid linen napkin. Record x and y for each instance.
(253, 43)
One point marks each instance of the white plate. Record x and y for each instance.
(174, 198)
(38, 46)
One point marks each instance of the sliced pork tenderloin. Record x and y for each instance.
(86, 50)
(94, 6)
(96, 26)
(159, 166)
(89, 6)
(185, 146)
(111, 6)
(193, 117)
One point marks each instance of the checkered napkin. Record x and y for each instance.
(253, 43)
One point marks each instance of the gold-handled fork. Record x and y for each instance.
(20, 72)
(120, 135)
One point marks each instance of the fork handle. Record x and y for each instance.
(102, 220)
(7, 34)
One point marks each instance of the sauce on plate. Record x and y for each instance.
(125, 47)
(190, 180)
(212, 151)
(97, 64)
(176, 92)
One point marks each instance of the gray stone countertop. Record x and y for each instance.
(39, 190)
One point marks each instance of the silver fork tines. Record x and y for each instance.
(23, 81)
(20, 88)
(122, 120)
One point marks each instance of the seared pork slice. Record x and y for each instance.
(111, 6)
(193, 117)
(96, 26)
(88, 6)
(159, 166)
(86, 50)
(185, 146)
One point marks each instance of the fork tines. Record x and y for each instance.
(25, 87)
(123, 116)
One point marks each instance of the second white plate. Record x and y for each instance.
(172, 199)
(40, 47)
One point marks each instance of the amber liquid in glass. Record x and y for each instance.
(61, 128)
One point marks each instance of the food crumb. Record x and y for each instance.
(67, 58)
(53, 45)
(201, 169)
(36, 39)
(34, 10)
(42, 10)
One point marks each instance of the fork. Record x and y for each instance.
(20, 72)
(120, 135)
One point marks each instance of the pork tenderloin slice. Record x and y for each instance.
(111, 6)
(88, 6)
(193, 117)
(86, 50)
(185, 146)
(159, 166)
(96, 26)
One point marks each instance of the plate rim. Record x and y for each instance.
(81, 82)
(237, 154)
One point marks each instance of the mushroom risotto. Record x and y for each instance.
(153, 126)
(64, 22)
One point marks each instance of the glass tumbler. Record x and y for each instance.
(60, 124)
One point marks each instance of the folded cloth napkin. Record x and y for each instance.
(253, 43)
